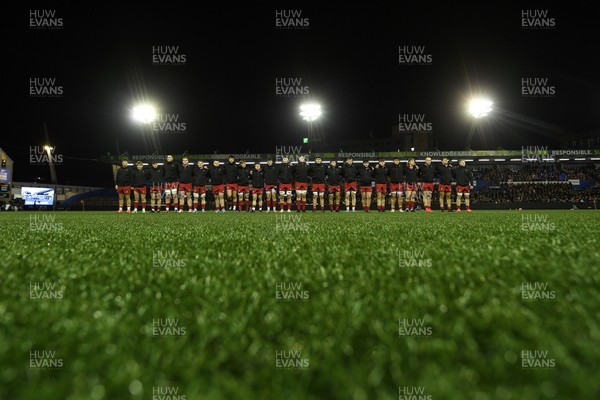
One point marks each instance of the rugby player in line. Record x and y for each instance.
(365, 179)
(155, 175)
(123, 181)
(381, 174)
(317, 175)
(140, 177)
(200, 180)
(271, 175)
(396, 173)
(334, 180)
(349, 172)
(427, 172)
(464, 183)
(258, 186)
(170, 169)
(186, 177)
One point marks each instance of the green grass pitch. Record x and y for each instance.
(489, 305)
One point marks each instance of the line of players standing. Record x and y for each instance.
(235, 183)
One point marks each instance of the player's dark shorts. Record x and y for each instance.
(155, 189)
(427, 186)
(301, 185)
(366, 189)
(348, 186)
(381, 187)
(334, 188)
(232, 187)
(185, 187)
(126, 190)
(463, 189)
(243, 189)
(285, 187)
(318, 187)
(171, 185)
(257, 191)
(411, 187)
(200, 189)
(140, 189)
(396, 187)
(270, 188)
(218, 189)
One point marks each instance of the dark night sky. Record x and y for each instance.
(348, 56)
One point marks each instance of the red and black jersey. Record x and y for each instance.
(285, 173)
(317, 173)
(170, 171)
(186, 173)
(155, 175)
(396, 173)
(139, 177)
(412, 175)
(200, 175)
(124, 176)
(427, 172)
(365, 175)
(243, 176)
(349, 172)
(231, 172)
(258, 178)
(445, 174)
(463, 175)
(271, 174)
(301, 172)
(217, 174)
(381, 174)
(334, 175)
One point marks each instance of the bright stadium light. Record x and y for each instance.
(48, 148)
(144, 113)
(479, 108)
(310, 112)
